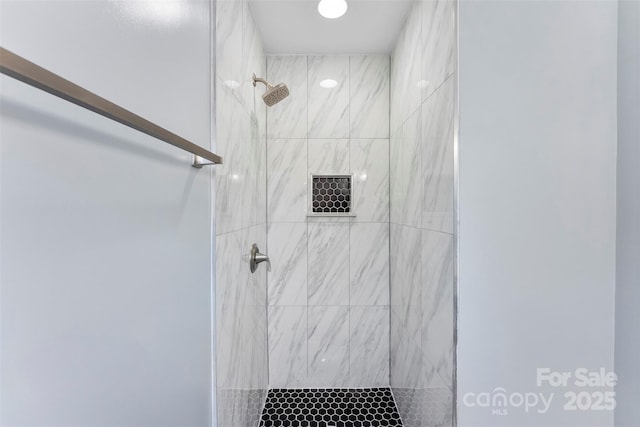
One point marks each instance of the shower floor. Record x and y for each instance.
(340, 407)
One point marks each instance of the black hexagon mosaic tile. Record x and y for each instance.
(331, 194)
(371, 407)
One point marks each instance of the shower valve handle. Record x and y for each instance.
(257, 258)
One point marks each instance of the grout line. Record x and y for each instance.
(307, 205)
(350, 226)
(389, 223)
(266, 211)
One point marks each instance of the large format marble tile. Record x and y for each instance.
(328, 271)
(287, 346)
(369, 100)
(229, 15)
(438, 43)
(369, 160)
(288, 253)
(328, 347)
(369, 346)
(328, 107)
(396, 190)
(396, 85)
(406, 374)
(395, 271)
(288, 118)
(411, 164)
(330, 156)
(233, 142)
(369, 264)
(405, 273)
(437, 159)
(233, 312)
(437, 302)
(410, 75)
(261, 175)
(287, 180)
(405, 358)
(248, 175)
(253, 61)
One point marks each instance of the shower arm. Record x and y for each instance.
(263, 81)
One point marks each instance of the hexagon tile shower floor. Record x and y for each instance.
(371, 407)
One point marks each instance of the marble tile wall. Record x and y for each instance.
(240, 206)
(421, 215)
(328, 289)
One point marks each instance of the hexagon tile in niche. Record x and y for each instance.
(371, 407)
(331, 194)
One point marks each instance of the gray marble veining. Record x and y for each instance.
(369, 100)
(437, 159)
(233, 135)
(231, 288)
(411, 164)
(288, 276)
(396, 85)
(369, 264)
(261, 169)
(369, 346)
(229, 44)
(328, 272)
(438, 43)
(252, 61)
(287, 346)
(396, 188)
(288, 119)
(369, 160)
(329, 156)
(437, 302)
(405, 357)
(328, 346)
(328, 106)
(405, 273)
(287, 183)
(410, 75)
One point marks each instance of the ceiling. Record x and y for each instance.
(296, 27)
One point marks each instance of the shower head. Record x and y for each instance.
(274, 94)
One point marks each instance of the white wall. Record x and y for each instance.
(628, 249)
(537, 201)
(105, 232)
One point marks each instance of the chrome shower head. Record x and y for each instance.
(274, 94)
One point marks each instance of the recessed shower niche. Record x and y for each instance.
(331, 195)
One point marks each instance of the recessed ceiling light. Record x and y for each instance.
(332, 9)
(328, 83)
